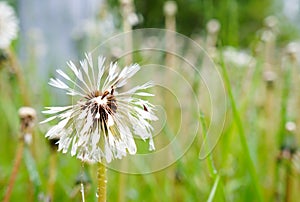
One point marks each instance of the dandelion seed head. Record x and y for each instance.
(8, 25)
(103, 122)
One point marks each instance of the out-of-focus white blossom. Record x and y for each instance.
(8, 25)
(237, 58)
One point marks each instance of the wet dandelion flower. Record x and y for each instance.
(8, 25)
(103, 122)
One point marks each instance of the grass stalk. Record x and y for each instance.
(211, 166)
(15, 66)
(288, 183)
(15, 171)
(214, 189)
(242, 135)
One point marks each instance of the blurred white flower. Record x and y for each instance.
(237, 58)
(102, 123)
(8, 25)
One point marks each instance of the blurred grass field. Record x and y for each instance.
(256, 158)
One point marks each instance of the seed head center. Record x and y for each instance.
(100, 101)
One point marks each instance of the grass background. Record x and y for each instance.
(256, 158)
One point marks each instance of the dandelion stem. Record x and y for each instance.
(14, 63)
(52, 175)
(82, 192)
(288, 183)
(15, 171)
(101, 190)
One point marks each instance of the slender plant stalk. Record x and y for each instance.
(122, 181)
(242, 135)
(211, 166)
(82, 192)
(214, 189)
(210, 162)
(15, 171)
(101, 190)
(286, 85)
(288, 183)
(52, 175)
(14, 63)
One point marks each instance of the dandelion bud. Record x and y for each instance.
(292, 49)
(290, 126)
(170, 8)
(269, 77)
(27, 117)
(213, 26)
(271, 22)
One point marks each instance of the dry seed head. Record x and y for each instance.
(290, 126)
(27, 116)
(8, 25)
(133, 19)
(269, 76)
(271, 22)
(125, 2)
(27, 112)
(213, 26)
(170, 8)
(292, 49)
(102, 123)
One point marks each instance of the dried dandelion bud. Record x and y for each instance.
(27, 117)
(269, 77)
(125, 2)
(170, 8)
(133, 19)
(290, 126)
(213, 26)
(271, 22)
(292, 49)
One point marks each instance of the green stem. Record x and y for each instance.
(214, 189)
(288, 183)
(101, 182)
(210, 162)
(241, 133)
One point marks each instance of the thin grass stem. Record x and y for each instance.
(15, 171)
(241, 132)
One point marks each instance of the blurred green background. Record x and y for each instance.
(257, 157)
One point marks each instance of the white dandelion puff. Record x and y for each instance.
(104, 121)
(8, 25)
